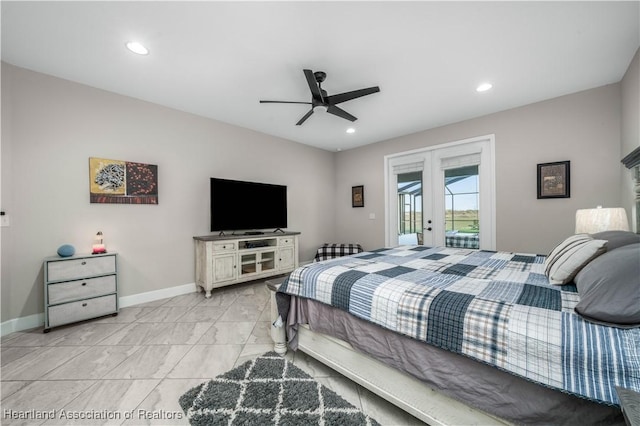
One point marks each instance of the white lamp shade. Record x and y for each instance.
(589, 221)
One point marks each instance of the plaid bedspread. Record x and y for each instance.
(495, 307)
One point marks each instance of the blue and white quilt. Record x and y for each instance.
(495, 307)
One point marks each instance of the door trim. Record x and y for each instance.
(486, 146)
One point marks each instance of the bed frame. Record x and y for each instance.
(402, 390)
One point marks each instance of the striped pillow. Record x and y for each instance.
(570, 256)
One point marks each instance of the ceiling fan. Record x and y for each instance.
(319, 97)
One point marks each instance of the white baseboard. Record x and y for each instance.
(151, 296)
(22, 323)
(37, 320)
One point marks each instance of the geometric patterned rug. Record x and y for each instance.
(268, 390)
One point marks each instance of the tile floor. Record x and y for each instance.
(132, 368)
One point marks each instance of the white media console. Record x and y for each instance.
(223, 260)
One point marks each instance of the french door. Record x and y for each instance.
(442, 195)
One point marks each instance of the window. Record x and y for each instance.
(462, 213)
(410, 204)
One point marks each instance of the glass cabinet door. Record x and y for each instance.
(248, 263)
(257, 262)
(267, 261)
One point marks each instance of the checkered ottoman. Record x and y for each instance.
(331, 251)
(471, 241)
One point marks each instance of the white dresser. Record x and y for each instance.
(79, 287)
(230, 259)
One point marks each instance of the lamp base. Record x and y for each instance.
(99, 249)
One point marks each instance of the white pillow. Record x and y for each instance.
(563, 247)
(570, 256)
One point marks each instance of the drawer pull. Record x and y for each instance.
(84, 283)
(84, 263)
(84, 304)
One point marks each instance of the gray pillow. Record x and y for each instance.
(617, 239)
(609, 288)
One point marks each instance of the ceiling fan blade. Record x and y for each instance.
(284, 102)
(303, 119)
(313, 85)
(347, 96)
(332, 109)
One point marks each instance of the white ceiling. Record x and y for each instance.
(217, 59)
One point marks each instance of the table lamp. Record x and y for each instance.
(589, 221)
(98, 244)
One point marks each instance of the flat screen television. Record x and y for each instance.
(242, 206)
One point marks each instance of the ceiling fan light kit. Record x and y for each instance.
(320, 98)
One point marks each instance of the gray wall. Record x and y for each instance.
(582, 127)
(630, 131)
(50, 129)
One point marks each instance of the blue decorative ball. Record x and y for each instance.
(66, 250)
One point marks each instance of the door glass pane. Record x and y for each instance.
(410, 208)
(461, 196)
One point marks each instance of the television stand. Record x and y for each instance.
(223, 260)
(278, 230)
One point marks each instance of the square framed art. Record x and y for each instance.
(554, 180)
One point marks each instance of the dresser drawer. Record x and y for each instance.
(81, 289)
(78, 268)
(222, 247)
(81, 310)
(285, 241)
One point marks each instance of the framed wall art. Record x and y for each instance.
(357, 196)
(554, 180)
(122, 182)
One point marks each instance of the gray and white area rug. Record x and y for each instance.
(268, 390)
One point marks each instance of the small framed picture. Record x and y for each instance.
(554, 180)
(357, 196)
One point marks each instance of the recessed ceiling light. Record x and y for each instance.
(484, 87)
(351, 130)
(138, 48)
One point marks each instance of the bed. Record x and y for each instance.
(459, 336)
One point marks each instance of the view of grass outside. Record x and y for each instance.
(461, 201)
(459, 220)
(462, 195)
(462, 221)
